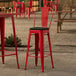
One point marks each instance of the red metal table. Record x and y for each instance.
(2, 34)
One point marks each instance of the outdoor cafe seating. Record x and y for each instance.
(29, 8)
(21, 9)
(53, 4)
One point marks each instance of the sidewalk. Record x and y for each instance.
(65, 65)
(63, 47)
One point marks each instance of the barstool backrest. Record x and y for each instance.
(31, 3)
(53, 4)
(44, 16)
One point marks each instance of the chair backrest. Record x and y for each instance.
(30, 3)
(57, 2)
(14, 3)
(19, 4)
(49, 3)
(44, 17)
(53, 4)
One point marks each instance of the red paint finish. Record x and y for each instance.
(2, 33)
(29, 8)
(53, 4)
(39, 39)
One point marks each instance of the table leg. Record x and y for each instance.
(2, 26)
(41, 40)
(50, 50)
(27, 53)
(15, 40)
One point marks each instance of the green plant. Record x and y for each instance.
(9, 41)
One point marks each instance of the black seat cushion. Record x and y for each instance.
(39, 28)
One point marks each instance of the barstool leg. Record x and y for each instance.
(50, 50)
(29, 13)
(41, 40)
(16, 12)
(2, 25)
(27, 50)
(15, 40)
(20, 11)
(36, 48)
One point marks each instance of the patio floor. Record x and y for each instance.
(63, 47)
(65, 65)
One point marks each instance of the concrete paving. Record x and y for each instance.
(64, 63)
(63, 47)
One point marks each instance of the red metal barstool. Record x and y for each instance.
(39, 38)
(19, 8)
(53, 4)
(29, 8)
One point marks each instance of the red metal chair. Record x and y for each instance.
(39, 38)
(53, 4)
(19, 8)
(29, 8)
